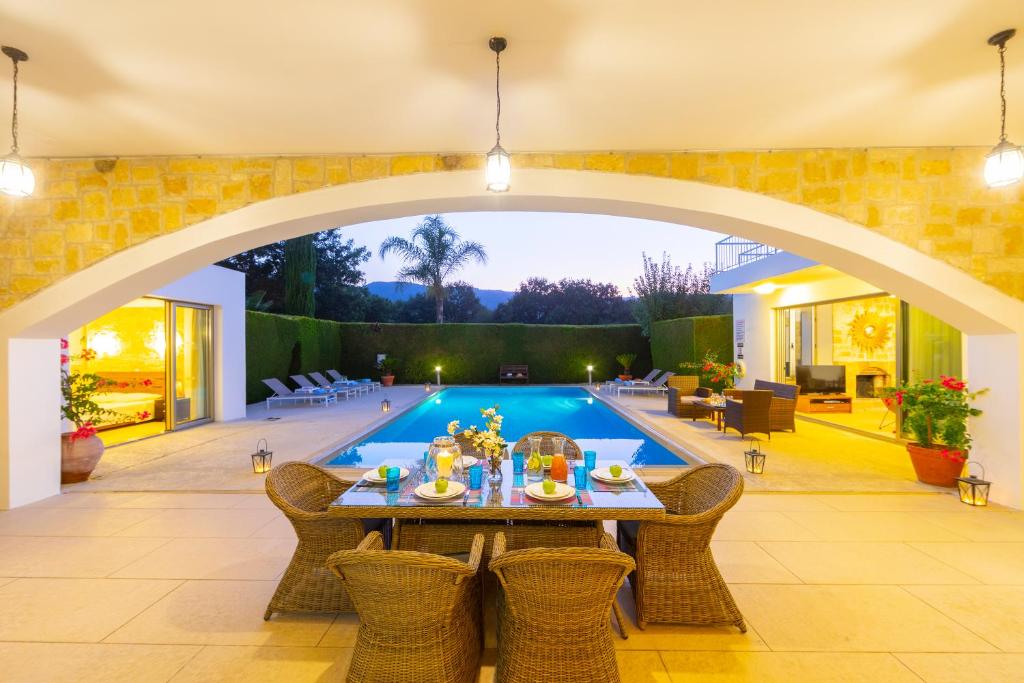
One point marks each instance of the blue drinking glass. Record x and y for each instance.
(590, 459)
(580, 474)
(394, 474)
(476, 476)
(518, 462)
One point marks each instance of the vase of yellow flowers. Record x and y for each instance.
(487, 440)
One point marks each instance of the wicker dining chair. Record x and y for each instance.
(676, 579)
(547, 444)
(547, 595)
(751, 413)
(420, 615)
(304, 492)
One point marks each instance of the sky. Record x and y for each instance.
(551, 245)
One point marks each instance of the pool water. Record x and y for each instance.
(570, 410)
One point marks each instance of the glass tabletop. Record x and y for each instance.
(509, 500)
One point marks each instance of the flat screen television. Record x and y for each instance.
(821, 379)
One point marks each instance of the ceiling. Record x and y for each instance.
(123, 77)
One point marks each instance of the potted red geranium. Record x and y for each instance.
(936, 414)
(80, 450)
(714, 374)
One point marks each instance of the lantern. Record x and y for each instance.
(426, 387)
(261, 458)
(753, 457)
(973, 490)
(385, 406)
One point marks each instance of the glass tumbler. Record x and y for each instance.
(393, 477)
(476, 476)
(590, 459)
(579, 474)
(518, 462)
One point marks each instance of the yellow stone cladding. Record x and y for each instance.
(932, 199)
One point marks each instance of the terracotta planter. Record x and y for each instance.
(78, 458)
(932, 468)
(625, 378)
(387, 380)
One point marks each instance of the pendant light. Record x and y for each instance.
(16, 178)
(1004, 165)
(499, 165)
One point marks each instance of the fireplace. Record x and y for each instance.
(870, 380)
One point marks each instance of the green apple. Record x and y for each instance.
(382, 471)
(441, 485)
(616, 470)
(549, 486)
(546, 460)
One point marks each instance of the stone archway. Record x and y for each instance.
(992, 320)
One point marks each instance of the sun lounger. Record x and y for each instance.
(338, 377)
(339, 388)
(656, 387)
(283, 393)
(305, 386)
(649, 378)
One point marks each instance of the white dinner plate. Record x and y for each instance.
(455, 489)
(562, 491)
(603, 474)
(372, 475)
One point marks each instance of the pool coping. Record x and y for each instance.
(690, 458)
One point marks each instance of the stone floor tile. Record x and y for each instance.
(221, 613)
(69, 557)
(781, 502)
(862, 562)
(87, 500)
(897, 502)
(278, 527)
(988, 524)
(785, 667)
(69, 522)
(957, 667)
(342, 632)
(174, 500)
(751, 525)
(73, 610)
(870, 526)
(641, 666)
(92, 663)
(747, 562)
(850, 619)
(188, 523)
(996, 563)
(271, 664)
(996, 613)
(258, 501)
(214, 558)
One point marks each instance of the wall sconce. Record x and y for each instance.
(753, 457)
(385, 406)
(262, 457)
(974, 490)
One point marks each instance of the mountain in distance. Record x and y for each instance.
(399, 291)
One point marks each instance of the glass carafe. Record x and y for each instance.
(559, 466)
(534, 463)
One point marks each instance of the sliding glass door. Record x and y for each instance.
(191, 363)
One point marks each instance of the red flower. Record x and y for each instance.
(63, 344)
(142, 416)
(83, 432)
(147, 382)
(707, 367)
(899, 398)
(64, 359)
(123, 385)
(927, 381)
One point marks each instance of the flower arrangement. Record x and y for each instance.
(719, 376)
(78, 390)
(936, 413)
(487, 440)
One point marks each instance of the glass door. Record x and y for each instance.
(191, 375)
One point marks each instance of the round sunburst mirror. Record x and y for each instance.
(869, 332)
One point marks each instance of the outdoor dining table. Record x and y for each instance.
(627, 501)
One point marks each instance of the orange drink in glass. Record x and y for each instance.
(559, 468)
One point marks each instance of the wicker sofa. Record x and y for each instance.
(782, 413)
(682, 393)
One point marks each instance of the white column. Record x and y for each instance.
(29, 420)
(759, 340)
(997, 362)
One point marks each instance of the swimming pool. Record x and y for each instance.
(570, 410)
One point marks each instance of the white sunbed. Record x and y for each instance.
(340, 388)
(656, 387)
(305, 386)
(283, 393)
(372, 385)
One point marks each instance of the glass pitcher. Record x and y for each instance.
(559, 466)
(534, 463)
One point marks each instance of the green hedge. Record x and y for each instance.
(688, 339)
(279, 346)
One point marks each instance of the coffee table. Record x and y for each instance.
(717, 411)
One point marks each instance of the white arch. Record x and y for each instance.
(993, 321)
(932, 285)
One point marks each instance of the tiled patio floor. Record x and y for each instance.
(172, 586)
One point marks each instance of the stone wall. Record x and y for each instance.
(932, 199)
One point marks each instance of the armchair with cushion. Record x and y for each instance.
(682, 393)
(749, 412)
(783, 410)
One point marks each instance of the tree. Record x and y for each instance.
(300, 276)
(566, 302)
(432, 254)
(663, 291)
(461, 305)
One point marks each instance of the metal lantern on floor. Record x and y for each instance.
(754, 457)
(974, 490)
(262, 457)
(385, 406)
(426, 387)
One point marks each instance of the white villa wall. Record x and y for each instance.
(30, 426)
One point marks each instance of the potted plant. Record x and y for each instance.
(80, 450)
(936, 414)
(387, 371)
(714, 374)
(626, 361)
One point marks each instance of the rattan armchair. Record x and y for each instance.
(420, 616)
(547, 444)
(676, 578)
(304, 493)
(682, 392)
(548, 595)
(751, 413)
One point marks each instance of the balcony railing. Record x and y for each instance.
(733, 252)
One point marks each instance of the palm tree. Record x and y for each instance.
(432, 254)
